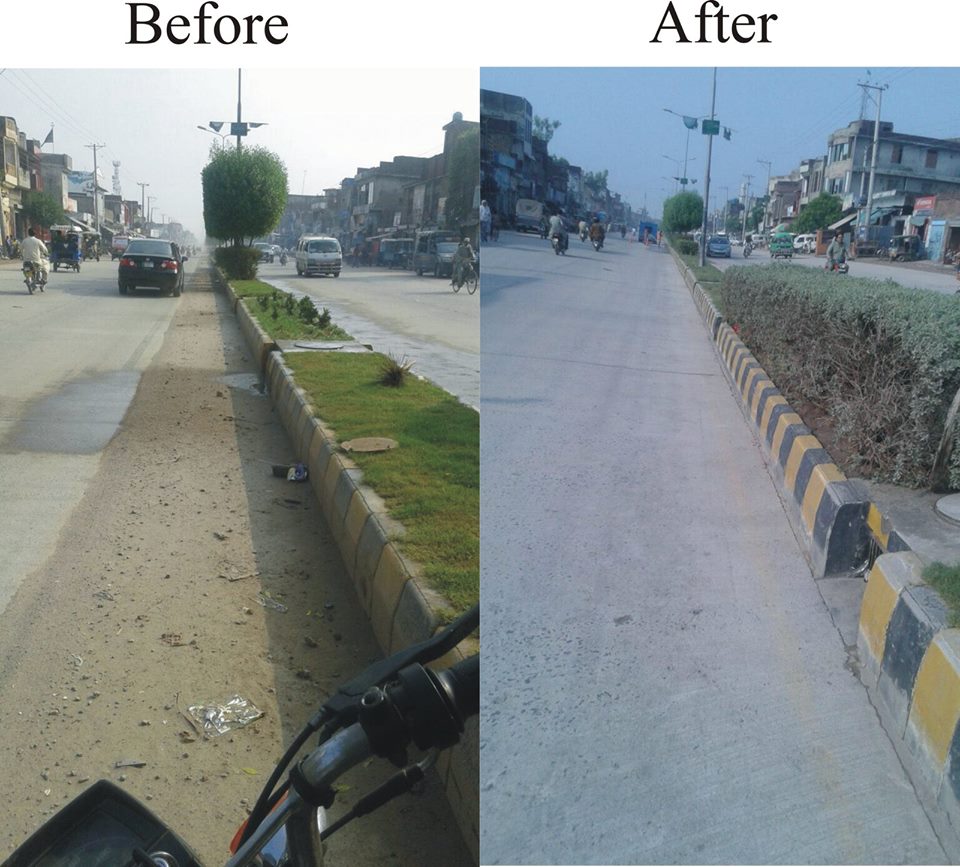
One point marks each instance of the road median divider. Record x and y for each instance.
(400, 606)
(908, 657)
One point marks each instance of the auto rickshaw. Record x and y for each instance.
(905, 248)
(66, 247)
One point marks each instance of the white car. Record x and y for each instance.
(805, 243)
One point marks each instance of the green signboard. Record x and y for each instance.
(711, 127)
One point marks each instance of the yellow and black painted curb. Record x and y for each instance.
(910, 663)
(402, 610)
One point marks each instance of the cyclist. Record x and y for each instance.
(461, 259)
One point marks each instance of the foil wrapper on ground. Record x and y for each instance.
(218, 719)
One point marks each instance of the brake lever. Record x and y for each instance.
(343, 704)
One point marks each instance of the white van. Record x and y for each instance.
(318, 254)
(805, 243)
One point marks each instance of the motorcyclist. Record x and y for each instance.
(556, 230)
(34, 250)
(463, 255)
(836, 252)
(597, 232)
(583, 229)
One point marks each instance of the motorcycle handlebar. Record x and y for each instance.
(462, 681)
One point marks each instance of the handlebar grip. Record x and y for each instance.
(462, 683)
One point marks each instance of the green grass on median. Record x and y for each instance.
(276, 311)
(431, 482)
(946, 581)
(704, 275)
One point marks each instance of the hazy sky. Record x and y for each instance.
(613, 118)
(323, 124)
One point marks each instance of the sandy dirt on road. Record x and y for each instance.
(161, 596)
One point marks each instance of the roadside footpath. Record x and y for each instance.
(401, 606)
(867, 545)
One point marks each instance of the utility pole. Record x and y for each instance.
(96, 188)
(706, 183)
(746, 207)
(143, 204)
(766, 163)
(239, 72)
(873, 156)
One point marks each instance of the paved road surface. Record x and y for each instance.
(663, 682)
(72, 357)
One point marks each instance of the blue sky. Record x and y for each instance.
(613, 118)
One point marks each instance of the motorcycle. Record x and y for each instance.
(395, 702)
(283, 258)
(584, 233)
(33, 277)
(840, 267)
(597, 243)
(747, 250)
(560, 243)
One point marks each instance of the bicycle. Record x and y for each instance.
(393, 703)
(466, 277)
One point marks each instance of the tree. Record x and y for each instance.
(544, 128)
(596, 182)
(818, 214)
(682, 212)
(244, 194)
(462, 175)
(42, 209)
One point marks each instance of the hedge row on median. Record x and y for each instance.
(882, 362)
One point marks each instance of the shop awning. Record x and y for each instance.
(842, 222)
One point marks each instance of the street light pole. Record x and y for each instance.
(222, 136)
(143, 203)
(706, 182)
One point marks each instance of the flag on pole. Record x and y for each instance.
(49, 138)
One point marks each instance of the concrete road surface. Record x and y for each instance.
(663, 682)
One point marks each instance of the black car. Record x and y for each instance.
(151, 262)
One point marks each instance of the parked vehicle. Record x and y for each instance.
(395, 252)
(319, 254)
(393, 706)
(805, 243)
(118, 245)
(529, 215)
(719, 245)
(905, 248)
(434, 251)
(153, 263)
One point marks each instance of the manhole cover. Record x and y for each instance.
(949, 507)
(370, 444)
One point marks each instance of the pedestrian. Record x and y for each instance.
(485, 221)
